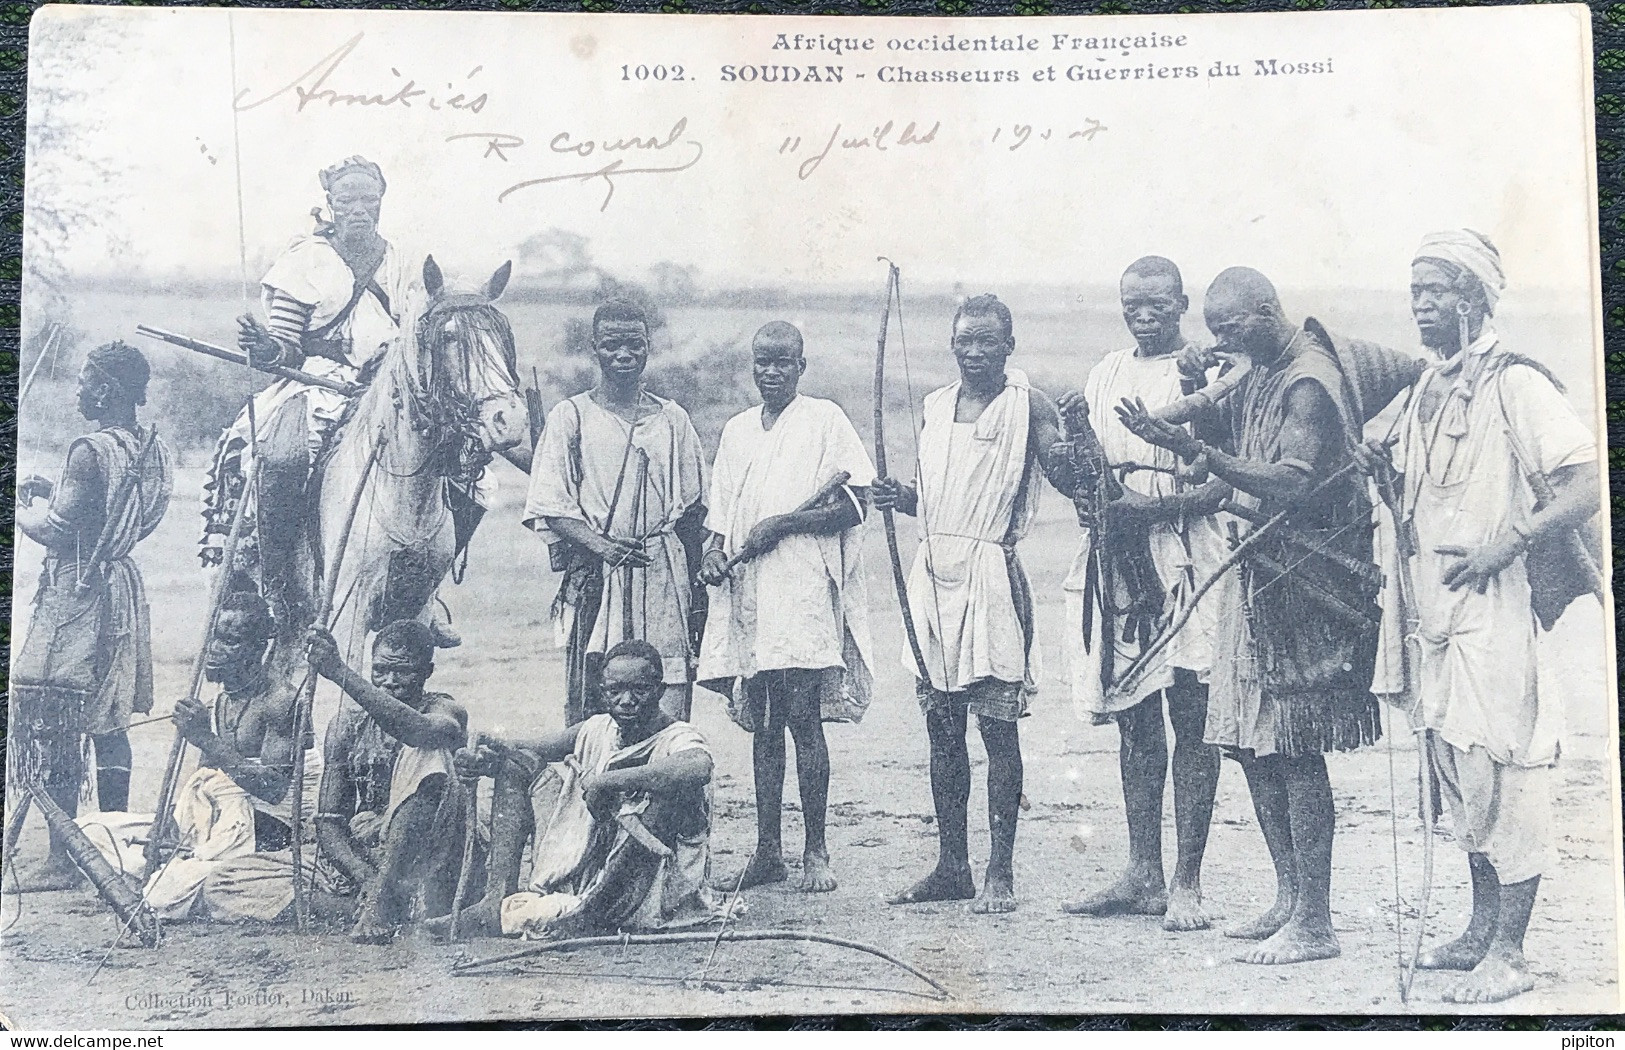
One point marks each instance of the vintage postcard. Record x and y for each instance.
(595, 516)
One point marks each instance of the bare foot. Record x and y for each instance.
(483, 918)
(1132, 894)
(998, 896)
(1185, 911)
(1267, 924)
(1293, 943)
(1496, 979)
(368, 931)
(1463, 953)
(764, 867)
(943, 884)
(53, 873)
(372, 926)
(816, 875)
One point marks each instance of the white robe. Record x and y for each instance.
(679, 895)
(217, 875)
(976, 496)
(1478, 683)
(585, 469)
(1183, 558)
(311, 272)
(801, 604)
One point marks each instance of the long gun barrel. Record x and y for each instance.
(110, 886)
(280, 371)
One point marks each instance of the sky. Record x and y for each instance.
(1427, 120)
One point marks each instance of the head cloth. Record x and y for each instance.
(123, 365)
(408, 638)
(352, 166)
(1471, 251)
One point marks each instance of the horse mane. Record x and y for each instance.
(479, 313)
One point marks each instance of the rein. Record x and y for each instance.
(437, 398)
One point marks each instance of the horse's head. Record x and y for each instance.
(466, 364)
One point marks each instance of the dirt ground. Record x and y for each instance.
(57, 969)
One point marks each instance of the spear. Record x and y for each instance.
(163, 818)
(45, 352)
(307, 689)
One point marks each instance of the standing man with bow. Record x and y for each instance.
(1298, 630)
(617, 490)
(1496, 472)
(1149, 550)
(975, 495)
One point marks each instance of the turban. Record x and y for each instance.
(123, 365)
(1471, 252)
(352, 166)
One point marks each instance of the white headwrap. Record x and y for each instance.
(1471, 251)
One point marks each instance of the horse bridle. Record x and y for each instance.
(458, 453)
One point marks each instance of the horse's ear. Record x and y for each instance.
(498, 281)
(433, 279)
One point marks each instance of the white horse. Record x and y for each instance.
(442, 403)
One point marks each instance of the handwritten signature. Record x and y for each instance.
(311, 87)
(499, 144)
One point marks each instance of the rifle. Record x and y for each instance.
(115, 512)
(110, 885)
(533, 408)
(220, 352)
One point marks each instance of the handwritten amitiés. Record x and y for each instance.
(314, 86)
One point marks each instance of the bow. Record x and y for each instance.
(466, 967)
(1410, 667)
(888, 517)
(1142, 664)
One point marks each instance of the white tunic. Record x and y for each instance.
(801, 604)
(311, 272)
(1183, 557)
(975, 501)
(561, 873)
(1463, 487)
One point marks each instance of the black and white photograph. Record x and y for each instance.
(601, 516)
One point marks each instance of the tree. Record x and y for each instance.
(68, 176)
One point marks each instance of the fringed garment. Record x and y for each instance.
(1298, 627)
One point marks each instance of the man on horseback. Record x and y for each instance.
(334, 301)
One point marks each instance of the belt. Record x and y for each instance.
(1007, 544)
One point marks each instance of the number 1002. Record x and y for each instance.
(652, 73)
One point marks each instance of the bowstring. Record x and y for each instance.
(1393, 832)
(242, 274)
(895, 291)
(1394, 509)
